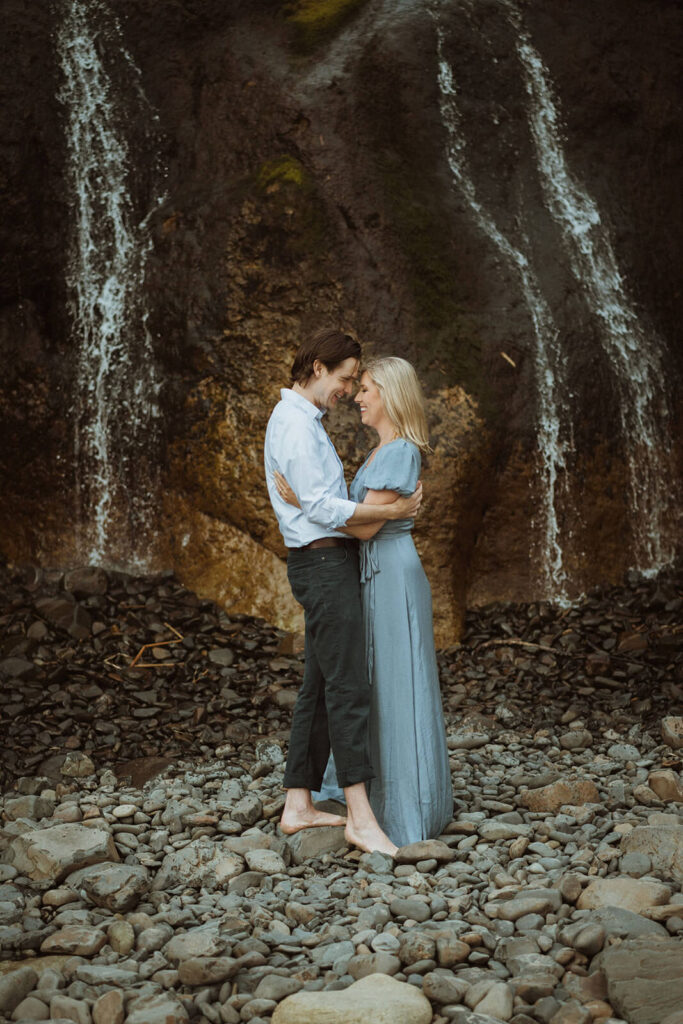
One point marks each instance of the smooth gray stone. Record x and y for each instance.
(247, 880)
(461, 1015)
(623, 752)
(99, 974)
(163, 1008)
(376, 863)
(362, 964)
(327, 955)
(410, 908)
(248, 810)
(635, 864)
(117, 887)
(585, 936)
(15, 986)
(374, 917)
(529, 923)
(34, 807)
(312, 843)
(625, 924)
(276, 988)
(465, 740)
(444, 987)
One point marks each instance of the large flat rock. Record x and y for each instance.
(117, 887)
(565, 791)
(378, 999)
(201, 863)
(663, 844)
(644, 978)
(625, 924)
(205, 940)
(50, 854)
(37, 964)
(79, 940)
(164, 1008)
(636, 894)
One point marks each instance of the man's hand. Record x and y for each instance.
(408, 508)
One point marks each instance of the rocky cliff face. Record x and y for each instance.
(306, 156)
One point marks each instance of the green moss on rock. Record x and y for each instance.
(282, 169)
(424, 242)
(292, 222)
(448, 342)
(316, 21)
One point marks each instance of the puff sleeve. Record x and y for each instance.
(395, 467)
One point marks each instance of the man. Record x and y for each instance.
(322, 567)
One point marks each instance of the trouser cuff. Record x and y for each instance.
(354, 775)
(351, 778)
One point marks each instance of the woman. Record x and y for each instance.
(411, 795)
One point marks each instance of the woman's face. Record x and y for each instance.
(370, 401)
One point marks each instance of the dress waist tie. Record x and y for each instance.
(369, 567)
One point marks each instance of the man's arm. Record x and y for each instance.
(299, 460)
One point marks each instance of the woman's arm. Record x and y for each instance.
(285, 491)
(365, 523)
(368, 530)
(360, 532)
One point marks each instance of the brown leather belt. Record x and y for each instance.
(323, 542)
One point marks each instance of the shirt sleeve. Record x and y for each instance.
(396, 467)
(304, 472)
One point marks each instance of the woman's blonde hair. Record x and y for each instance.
(402, 397)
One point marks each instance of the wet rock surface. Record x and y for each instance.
(143, 876)
(299, 188)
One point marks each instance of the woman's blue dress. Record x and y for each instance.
(411, 795)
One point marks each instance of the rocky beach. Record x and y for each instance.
(143, 877)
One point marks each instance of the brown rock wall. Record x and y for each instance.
(225, 564)
(309, 185)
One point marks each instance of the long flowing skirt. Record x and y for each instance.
(412, 794)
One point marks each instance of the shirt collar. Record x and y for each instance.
(288, 395)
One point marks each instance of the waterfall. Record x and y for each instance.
(116, 388)
(553, 424)
(633, 351)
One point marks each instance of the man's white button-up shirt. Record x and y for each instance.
(297, 445)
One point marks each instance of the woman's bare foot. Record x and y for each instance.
(369, 837)
(294, 820)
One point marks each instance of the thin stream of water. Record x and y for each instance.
(116, 387)
(116, 405)
(634, 352)
(553, 435)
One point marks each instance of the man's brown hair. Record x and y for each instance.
(330, 345)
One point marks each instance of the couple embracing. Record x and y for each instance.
(370, 691)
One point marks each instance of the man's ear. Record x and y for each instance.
(318, 367)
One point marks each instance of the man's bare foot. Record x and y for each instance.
(294, 821)
(369, 838)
